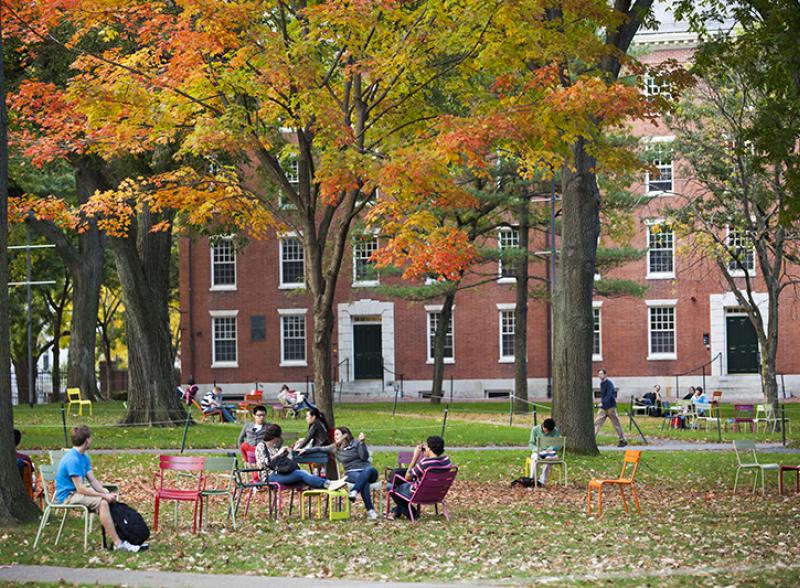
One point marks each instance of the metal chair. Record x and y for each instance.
(432, 488)
(630, 465)
(47, 474)
(180, 464)
(745, 449)
(557, 444)
(74, 397)
(221, 467)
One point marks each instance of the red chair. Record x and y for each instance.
(744, 413)
(190, 493)
(431, 489)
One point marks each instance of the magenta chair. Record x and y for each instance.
(430, 489)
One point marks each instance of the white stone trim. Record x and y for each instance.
(365, 307)
(284, 312)
(718, 304)
(223, 314)
(292, 311)
(429, 309)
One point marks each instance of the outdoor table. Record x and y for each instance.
(789, 468)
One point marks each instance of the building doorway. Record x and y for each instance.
(367, 351)
(742, 345)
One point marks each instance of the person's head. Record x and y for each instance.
(191, 382)
(17, 437)
(698, 391)
(271, 432)
(692, 390)
(602, 374)
(81, 436)
(342, 437)
(434, 445)
(284, 388)
(216, 389)
(259, 414)
(656, 388)
(314, 414)
(548, 425)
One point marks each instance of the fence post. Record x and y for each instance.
(534, 415)
(510, 409)
(451, 388)
(783, 425)
(394, 407)
(402, 392)
(186, 427)
(444, 421)
(64, 422)
(719, 423)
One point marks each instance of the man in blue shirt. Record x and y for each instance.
(73, 471)
(608, 407)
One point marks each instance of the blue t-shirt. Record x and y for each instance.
(74, 463)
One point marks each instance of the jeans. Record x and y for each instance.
(298, 477)
(361, 479)
(402, 507)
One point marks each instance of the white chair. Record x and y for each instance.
(48, 474)
(747, 449)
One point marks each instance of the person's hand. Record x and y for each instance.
(361, 436)
(110, 497)
(300, 451)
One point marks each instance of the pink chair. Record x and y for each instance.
(190, 492)
(275, 490)
(744, 413)
(431, 489)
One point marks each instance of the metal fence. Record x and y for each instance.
(43, 384)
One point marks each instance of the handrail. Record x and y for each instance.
(713, 359)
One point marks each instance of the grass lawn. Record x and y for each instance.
(692, 530)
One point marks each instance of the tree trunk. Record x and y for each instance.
(573, 329)
(521, 313)
(439, 339)
(321, 349)
(143, 265)
(15, 505)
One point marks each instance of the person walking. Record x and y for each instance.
(608, 407)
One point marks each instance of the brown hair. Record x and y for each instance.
(347, 437)
(80, 435)
(272, 431)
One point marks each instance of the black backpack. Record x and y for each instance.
(129, 523)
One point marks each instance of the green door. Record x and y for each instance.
(742, 345)
(368, 352)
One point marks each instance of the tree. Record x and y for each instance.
(15, 505)
(738, 221)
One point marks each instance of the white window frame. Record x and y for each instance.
(290, 285)
(356, 245)
(219, 314)
(651, 275)
(500, 278)
(293, 312)
(291, 169)
(223, 287)
(501, 308)
(671, 303)
(431, 309)
(651, 87)
(597, 305)
(650, 141)
(730, 233)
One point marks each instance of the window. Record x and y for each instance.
(653, 86)
(223, 264)
(292, 266)
(434, 314)
(292, 170)
(507, 237)
(258, 327)
(363, 268)
(740, 248)
(660, 251)
(597, 350)
(293, 337)
(661, 330)
(507, 328)
(223, 329)
(659, 155)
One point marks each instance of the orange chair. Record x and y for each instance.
(251, 400)
(207, 415)
(626, 477)
(189, 493)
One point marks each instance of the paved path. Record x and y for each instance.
(84, 576)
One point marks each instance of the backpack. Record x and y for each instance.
(525, 482)
(129, 523)
(283, 465)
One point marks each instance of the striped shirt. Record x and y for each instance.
(440, 462)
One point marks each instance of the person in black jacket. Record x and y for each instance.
(317, 433)
(608, 407)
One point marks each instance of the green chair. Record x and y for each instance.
(746, 450)
(55, 458)
(48, 474)
(221, 468)
(559, 445)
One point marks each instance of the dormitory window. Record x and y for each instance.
(292, 170)
(596, 348)
(661, 332)
(363, 268)
(507, 238)
(433, 323)
(742, 257)
(660, 251)
(223, 264)
(293, 339)
(507, 327)
(292, 266)
(654, 86)
(224, 345)
(659, 155)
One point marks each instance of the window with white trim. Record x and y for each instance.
(597, 353)
(659, 155)
(742, 255)
(291, 169)
(433, 323)
(661, 332)
(507, 329)
(654, 86)
(223, 329)
(293, 339)
(364, 273)
(292, 263)
(660, 250)
(507, 238)
(223, 264)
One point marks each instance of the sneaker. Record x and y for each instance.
(336, 484)
(352, 496)
(622, 443)
(125, 546)
(372, 515)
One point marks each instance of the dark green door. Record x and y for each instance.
(742, 345)
(368, 352)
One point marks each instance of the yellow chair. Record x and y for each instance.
(74, 397)
(338, 504)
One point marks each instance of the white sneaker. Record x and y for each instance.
(336, 484)
(372, 515)
(353, 495)
(125, 546)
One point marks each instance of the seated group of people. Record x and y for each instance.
(652, 400)
(264, 440)
(212, 400)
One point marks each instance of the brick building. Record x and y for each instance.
(246, 318)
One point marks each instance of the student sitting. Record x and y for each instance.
(546, 429)
(293, 400)
(427, 456)
(699, 398)
(354, 456)
(253, 433)
(213, 401)
(652, 400)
